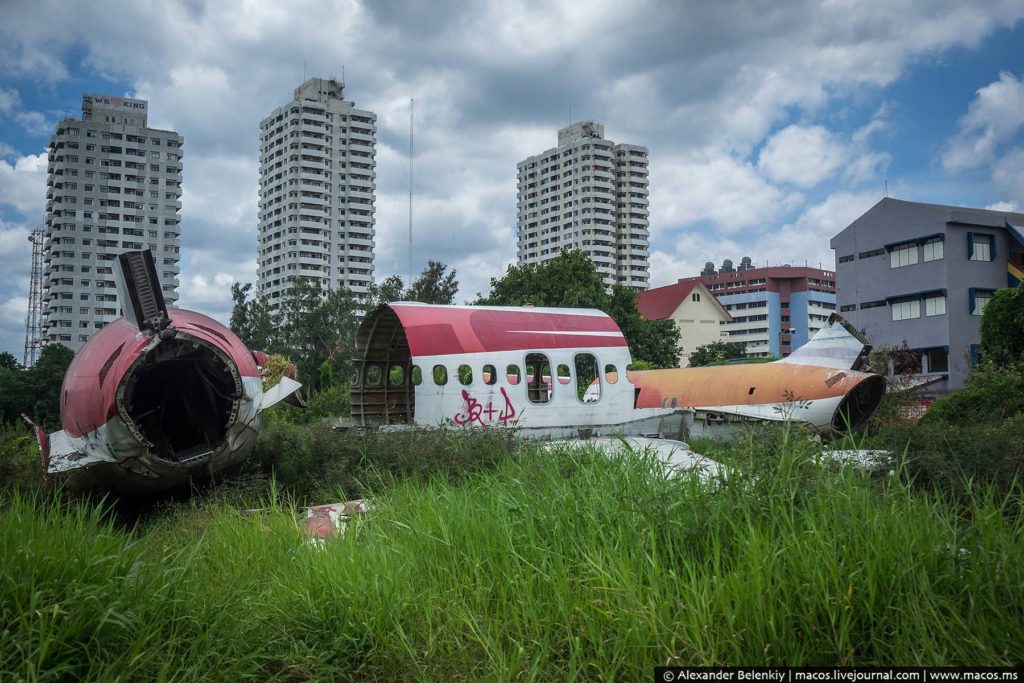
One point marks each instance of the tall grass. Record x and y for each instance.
(554, 565)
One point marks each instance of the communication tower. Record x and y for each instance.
(34, 319)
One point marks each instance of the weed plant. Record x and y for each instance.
(556, 565)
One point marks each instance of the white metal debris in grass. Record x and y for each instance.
(675, 456)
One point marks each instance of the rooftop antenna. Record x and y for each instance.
(570, 114)
(303, 70)
(411, 105)
(342, 75)
(887, 186)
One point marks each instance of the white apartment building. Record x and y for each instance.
(588, 194)
(317, 161)
(113, 185)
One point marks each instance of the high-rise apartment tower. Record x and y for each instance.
(113, 184)
(317, 159)
(588, 194)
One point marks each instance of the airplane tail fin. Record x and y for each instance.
(837, 345)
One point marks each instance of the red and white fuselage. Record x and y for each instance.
(555, 371)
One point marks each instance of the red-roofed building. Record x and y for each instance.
(695, 310)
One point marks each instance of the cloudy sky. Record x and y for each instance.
(771, 125)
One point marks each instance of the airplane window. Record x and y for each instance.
(588, 378)
(374, 375)
(490, 375)
(563, 374)
(611, 375)
(396, 375)
(440, 375)
(417, 375)
(538, 378)
(465, 375)
(512, 374)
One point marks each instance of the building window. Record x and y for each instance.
(905, 310)
(848, 307)
(938, 360)
(978, 299)
(935, 305)
(933, 249)
(981, 247)
(903, 255)
(695, 296)
(873, 304)
(846, 259)
(869, 254)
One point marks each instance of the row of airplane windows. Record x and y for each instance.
(539, 379)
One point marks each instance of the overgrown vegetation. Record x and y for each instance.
(561, 565)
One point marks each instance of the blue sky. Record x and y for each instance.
(770, 126)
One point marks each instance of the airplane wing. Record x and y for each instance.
(837, 345)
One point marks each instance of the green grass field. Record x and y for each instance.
(544, 566)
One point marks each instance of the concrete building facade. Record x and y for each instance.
(317, 192)
(113, 184)
(920, 274)
(588, 194)
(774, 310)
(694, 309)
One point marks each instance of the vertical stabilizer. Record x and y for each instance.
(138, 290)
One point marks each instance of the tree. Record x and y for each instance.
(433, 286)
(42, 383)
(253, 320)
(655, 342)
(571, 280)
(716, 352)
(568, 280)
(8, 361)
(319, 327)
(391, 289)
(1002, 327)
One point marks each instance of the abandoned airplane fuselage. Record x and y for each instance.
(553, 372)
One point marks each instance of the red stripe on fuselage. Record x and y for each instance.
(440, 331)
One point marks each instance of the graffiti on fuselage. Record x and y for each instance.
(484, 414)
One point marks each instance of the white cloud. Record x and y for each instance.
(994, 116)
(1008, 173)
(23, 185)
(1012, 207)
(35, 123)
(719, 189)
(803, 156)
(10, 100)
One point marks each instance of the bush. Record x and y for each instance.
(971, 437)
(21, 466)
(316, 461)
(992, 395)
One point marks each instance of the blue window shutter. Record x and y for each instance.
(970, 246)
(970, 301)
(992, 247)
(975, 354)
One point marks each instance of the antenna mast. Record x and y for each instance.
(411, 104)
(33, 320)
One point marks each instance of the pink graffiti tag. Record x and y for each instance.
(484, 415)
